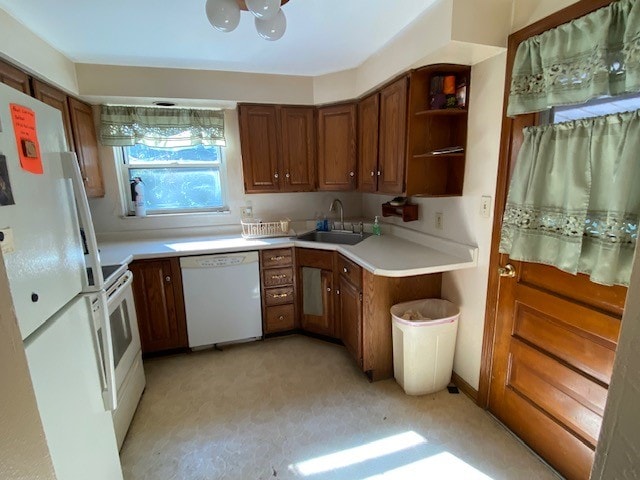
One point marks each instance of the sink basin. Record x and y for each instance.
(343, 238)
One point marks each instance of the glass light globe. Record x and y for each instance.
(224, 15)
(263, 9)
(272, 29)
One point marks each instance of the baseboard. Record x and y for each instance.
(467, 389)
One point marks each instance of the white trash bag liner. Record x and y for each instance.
(424, 340)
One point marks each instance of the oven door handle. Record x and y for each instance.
(119, 288)
(109, 393)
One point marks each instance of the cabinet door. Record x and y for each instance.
(86, 145)
(350, 311)
(368, 112)
(157, 287)
(393, 136)
(298, 135)
(58, 100)
(317, 300)
(14, 77)
(337, 161)
(260, 148)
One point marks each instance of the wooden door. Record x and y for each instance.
(14, 77)
(86, 146)
(350, 314)
(368, 114)
(157, 288)
(320, 322)
(298, 137)
(393, 136)
(58, 100)
(260, 148)
(337, 161)
(550, 337)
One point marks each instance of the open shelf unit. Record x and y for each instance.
(430, 174)
(408, 212)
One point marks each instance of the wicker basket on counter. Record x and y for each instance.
(258, 229)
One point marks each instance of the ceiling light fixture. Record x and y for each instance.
(270, 21)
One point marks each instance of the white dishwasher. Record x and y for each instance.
(222, 298)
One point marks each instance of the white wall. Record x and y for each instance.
(296, 206)
(618, 452)
(462, 220)
(526, 12)
(21, 46)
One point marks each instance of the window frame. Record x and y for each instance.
(124, 176)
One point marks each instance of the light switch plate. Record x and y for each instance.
(6, 241)
(439, 220)
(485, 206)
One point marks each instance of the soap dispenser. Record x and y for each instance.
(376, 227)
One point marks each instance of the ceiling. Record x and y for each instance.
(322, 36)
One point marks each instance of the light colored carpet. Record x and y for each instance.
(298, 408)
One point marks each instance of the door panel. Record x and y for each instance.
(350, 313)
(393, 133)
(259, 144)
(58, 100)
(337, 160)
(368, 112)
(86, 147)
(550, 337)
(298, 148)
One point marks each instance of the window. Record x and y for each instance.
(176, 180)
(596, 108)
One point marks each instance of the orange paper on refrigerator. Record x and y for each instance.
(24, 126)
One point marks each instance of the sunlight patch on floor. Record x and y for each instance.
(351, 456)
(440, 465)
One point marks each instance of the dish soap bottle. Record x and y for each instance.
(376, 227)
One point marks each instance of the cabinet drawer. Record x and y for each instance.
(274, 277)
(279, 257)
(279, 318)
(350, 270)
(278, 296)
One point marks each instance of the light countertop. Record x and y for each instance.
(399, 252)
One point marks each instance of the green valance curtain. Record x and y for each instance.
(574, 197)
(160, 127)
(592, 56)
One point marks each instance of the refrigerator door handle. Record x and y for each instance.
(109, 393)
(72, 170)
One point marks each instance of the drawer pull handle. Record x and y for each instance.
(281, 317)
(280, 295)
(278, 277)
(167, 279)
(328, 289)
(276, 259)
(345, 269)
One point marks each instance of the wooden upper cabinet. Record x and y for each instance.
(393, 136)
(14, 77)
(298, 141)
(260, 150)
(86, 146)
(58, 100)
(337, 161)
(368, 114)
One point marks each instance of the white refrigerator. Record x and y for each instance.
(44, 257)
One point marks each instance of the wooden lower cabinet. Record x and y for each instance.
(157, 289)
(278, 286)
(350, 312)
(314, 270)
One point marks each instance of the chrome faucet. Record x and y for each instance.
(332, 208)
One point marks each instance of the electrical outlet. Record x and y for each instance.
(485, 206)
(247, 212)
(439, 220)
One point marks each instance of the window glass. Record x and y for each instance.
(184, 179)
(596, 108)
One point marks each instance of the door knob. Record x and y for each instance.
(507, 271)
(167, 279)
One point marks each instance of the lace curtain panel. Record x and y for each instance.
(574, 197)
(122, 126)
(592, 56)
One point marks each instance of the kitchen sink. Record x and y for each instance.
(343, 238)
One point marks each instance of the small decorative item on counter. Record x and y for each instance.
(398, 201)
(137, 195)
(376, 227)
(319, 223)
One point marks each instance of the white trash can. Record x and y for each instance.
(424, 341)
